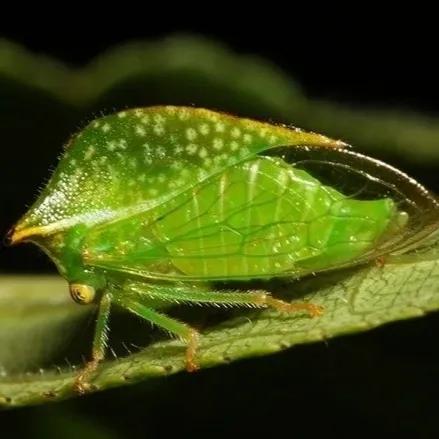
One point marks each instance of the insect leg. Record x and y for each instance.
(258, 299)
(171, 325)
(100, 340)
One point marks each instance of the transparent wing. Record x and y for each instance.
(364, 178)
(295, 211)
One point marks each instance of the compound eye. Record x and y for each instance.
(82, 294)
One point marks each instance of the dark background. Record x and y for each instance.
(382, 382)
(375, 63)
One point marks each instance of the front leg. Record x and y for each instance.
(173, 326)
(100, 340)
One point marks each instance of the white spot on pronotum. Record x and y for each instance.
(122, 144)
(105, 128)
(263, 132)
(132, 162)
(218, 143)
(243, 152)
(138, 112)
(234, 145)
(183, 114)
(204, 129)
(159, 129)
(96, 124)
(203, 153)
(122, 114)
(140, 131)
(236, 132)
(191, 134)
(159, 118)
(111, 145)
(145, 119)
(202, 173)
(191, 148)
(161, 152)
(178, 183)
(90, 152)
(273, 139)
(219, 127)
(210, 115)
(247, 138)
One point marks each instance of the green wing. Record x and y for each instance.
(257, 219)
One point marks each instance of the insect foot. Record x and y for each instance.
(380, 261)
(285, 307)
(82, 383)
(191, 351)
(81, 387)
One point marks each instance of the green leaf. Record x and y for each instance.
(355, 300)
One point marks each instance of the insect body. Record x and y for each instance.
(155, 205)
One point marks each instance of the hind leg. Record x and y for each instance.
(180, 294)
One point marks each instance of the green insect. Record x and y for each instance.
(161, 205)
